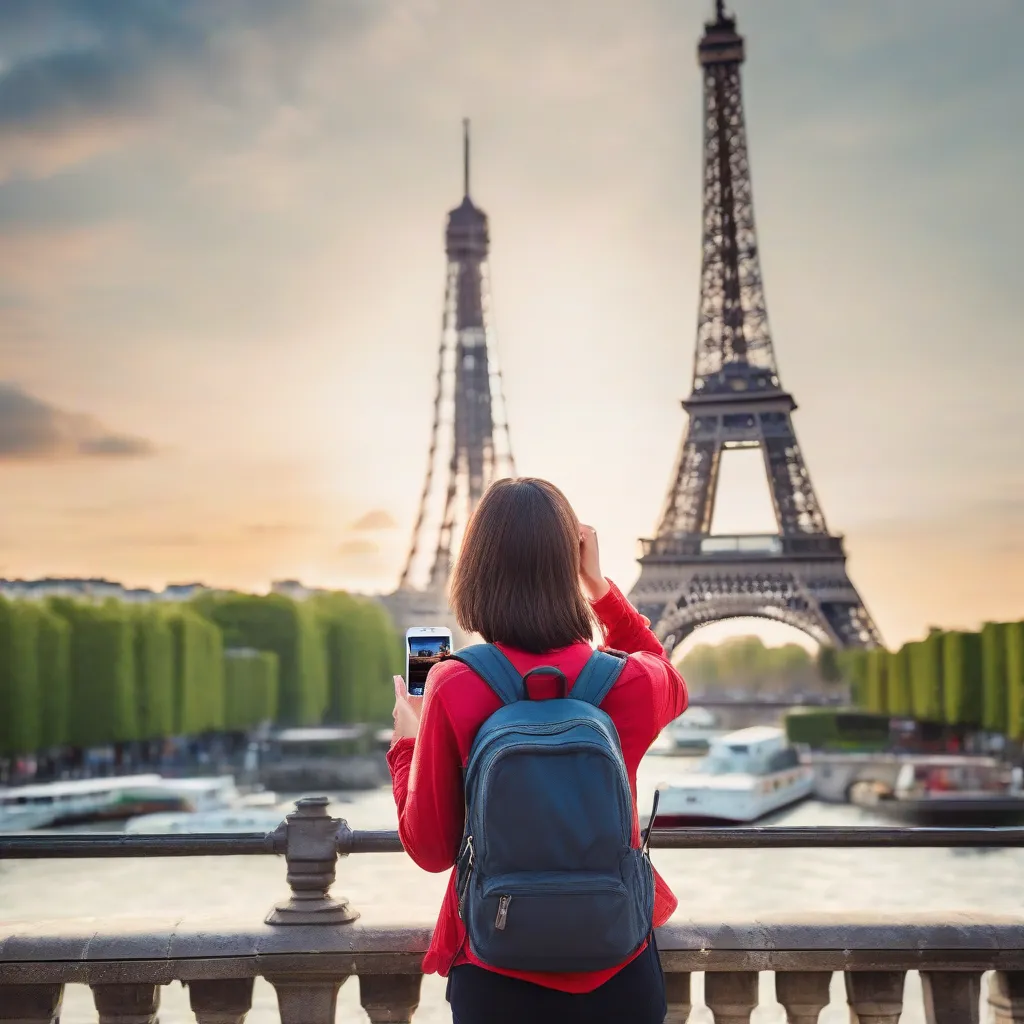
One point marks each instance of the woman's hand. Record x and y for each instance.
(595, 586)
(407, 712)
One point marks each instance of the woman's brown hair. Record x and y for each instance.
(516, 581)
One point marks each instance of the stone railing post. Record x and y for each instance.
(225, 1001)
(677, 995)
(951, 997)
(731, 996)
(1006, 996)
(307, 999)
(126, 1004)
(875, 997)
(311, 854)
(390, 998)
(803, 994)
(30, 1004)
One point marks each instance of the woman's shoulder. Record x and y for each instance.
(444, 673)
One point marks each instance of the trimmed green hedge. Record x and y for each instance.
(154, 673)
(102, 704)
(198, 673)
(19, 677)
(250, 688)
(877, 681)
(364, 652)
(994, 688)
(54, 677)
(899, 700)
(1015, 680)
(292, 631)
(926, 687)
(837, 729)
(78, 674)
(961, 677)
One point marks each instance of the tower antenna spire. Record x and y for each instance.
(465, 156)
(720, 9)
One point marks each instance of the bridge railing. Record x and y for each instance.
(309, 945)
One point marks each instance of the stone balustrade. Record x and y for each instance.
(125, 962)
(310, 945)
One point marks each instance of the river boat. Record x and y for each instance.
(948, 792)
(746, 776)
(52, 804)
(87, 801)
(693, 731)
(239, 819)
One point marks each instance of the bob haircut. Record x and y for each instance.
(517, 579)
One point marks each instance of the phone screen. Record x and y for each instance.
(425, 651)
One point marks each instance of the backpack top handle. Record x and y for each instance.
(546, 670)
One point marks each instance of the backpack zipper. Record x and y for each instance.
(499, 921)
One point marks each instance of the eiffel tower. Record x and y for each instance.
(469, 441)
(688, 576)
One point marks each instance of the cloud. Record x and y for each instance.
(33, 429)
(376, 519)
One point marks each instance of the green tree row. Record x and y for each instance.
(745, 663)
(956, 677)
(82, 675)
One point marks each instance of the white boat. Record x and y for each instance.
(241, 819)
(745, 776)
(46, 804)
(81, 801)
(693, 731)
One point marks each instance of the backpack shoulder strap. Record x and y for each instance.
(598, 676)
(494, 669)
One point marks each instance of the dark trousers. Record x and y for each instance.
(635, 995)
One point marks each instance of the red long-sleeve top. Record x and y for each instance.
(427, 772)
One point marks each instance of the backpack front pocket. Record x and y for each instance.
(558, 921)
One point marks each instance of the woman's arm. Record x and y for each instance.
(625, 629)
(426, 774)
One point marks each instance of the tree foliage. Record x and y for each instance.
(80, 674)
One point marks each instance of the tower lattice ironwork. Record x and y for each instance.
(469, 441)
(688, 576)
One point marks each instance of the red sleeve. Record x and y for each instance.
(625, 629)
(426, 777)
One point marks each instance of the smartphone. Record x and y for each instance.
(425, 646)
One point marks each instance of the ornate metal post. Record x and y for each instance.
(312, 853)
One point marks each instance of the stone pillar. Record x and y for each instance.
(875, 997)
(126, 1004)
(307, 999)
(677, 995)
(221, 1002)
(390, 998)
(803, 994)
(951, 997)
(1006, 996)
(731, 995)
(311, 854)
(30, 1004)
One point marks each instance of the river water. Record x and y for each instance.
(708, 883)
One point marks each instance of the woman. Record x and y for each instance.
(528, 579)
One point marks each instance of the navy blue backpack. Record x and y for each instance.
(547, 878)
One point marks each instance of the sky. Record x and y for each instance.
(222, 271)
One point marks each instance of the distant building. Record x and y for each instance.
(95, 590)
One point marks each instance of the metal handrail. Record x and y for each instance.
(33, 846)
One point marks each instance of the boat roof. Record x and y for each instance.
(74, 787)
(751, 736)
(320, 734)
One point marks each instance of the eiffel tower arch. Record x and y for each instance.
(469, 443)
(689, 576)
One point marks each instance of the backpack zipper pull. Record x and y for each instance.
(499, 921)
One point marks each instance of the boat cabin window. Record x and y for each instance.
(781, 760)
